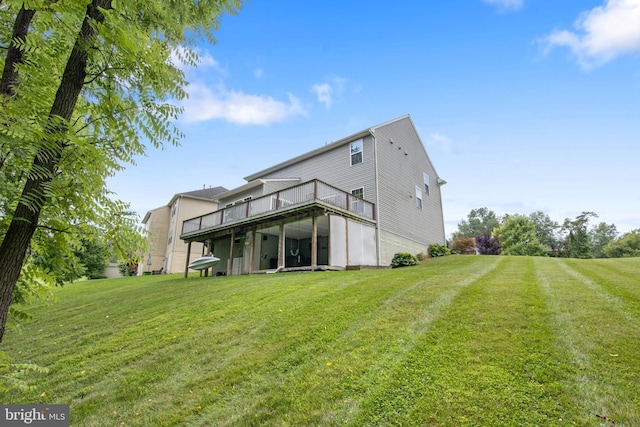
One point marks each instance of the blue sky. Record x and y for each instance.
(522, 105)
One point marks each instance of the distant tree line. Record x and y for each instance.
(536, 234)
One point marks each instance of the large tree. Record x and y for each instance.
(600, 236)
(517, 235)
(86, 85)
(626, 246)
(479, 221)
(546, 231)
(576, 236)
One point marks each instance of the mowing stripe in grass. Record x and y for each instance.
(622, 282)
(326, 390)
(597, 330)
(460, 340)
(604, 296)
(478, 362)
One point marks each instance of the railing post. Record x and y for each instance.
(315, 189)
(246, 215)
(200, 224)
(278, 200)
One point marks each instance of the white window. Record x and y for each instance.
(356, 152)
(418, 197)
(426, 183)
(173, 209)
(358, 192)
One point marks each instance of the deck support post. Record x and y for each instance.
(281, 247)
(314, 243)
(230, 268)
(186, 266)
(252, 250)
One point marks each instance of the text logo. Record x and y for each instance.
(34, 415)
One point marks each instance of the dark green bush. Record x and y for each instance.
(403, 259)
(438, 250)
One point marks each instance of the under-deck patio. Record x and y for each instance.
(284, 230)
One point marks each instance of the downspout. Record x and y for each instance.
(440, 183)
(375, 167)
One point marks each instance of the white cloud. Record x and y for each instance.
(324, 93)
(327, 92)
(437, 139)
(206, 103)
(602, 33)
(505, 5)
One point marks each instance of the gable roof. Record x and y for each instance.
(209, 194)
(206, 193)
(325, 148)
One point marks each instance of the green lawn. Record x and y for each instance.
(456, 341)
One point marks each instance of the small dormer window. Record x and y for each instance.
(356, 152)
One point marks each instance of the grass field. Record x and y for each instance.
(455, 341)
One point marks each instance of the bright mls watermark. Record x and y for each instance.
(34, 415)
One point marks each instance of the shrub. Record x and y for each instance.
(422, 256)
(488, 245)
(128, 268)
(438, 250)
(464, 245)
(403, 259)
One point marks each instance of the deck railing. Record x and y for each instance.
(301, 194)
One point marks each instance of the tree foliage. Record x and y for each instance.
(626, 246)
(481, 220)
(86, 86)
(517, 234)
(547, 231)
(576, 236)
(600, 236)
(93, 256)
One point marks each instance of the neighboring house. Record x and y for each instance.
(352, 203)
(164, 225)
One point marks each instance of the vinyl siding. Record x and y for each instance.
(273, 186)
(401, 165)
(334, 168)
(254, 193)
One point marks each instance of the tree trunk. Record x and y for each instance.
(15, 55)
(25, 219)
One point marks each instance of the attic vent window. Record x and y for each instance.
(356, 152)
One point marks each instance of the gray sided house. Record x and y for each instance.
(352, 203)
